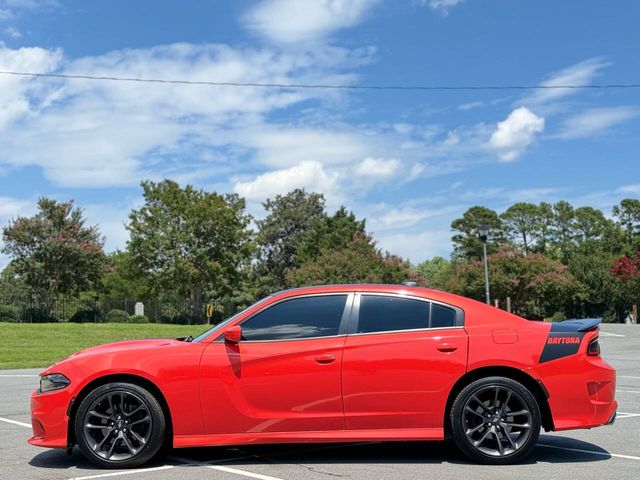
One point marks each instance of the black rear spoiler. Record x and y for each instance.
(576, 325)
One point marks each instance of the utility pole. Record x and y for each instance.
(483, 233)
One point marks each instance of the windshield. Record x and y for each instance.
(217, 327)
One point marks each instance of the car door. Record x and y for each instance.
(400, 360)
(284, 375)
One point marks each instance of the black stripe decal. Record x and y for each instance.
(560, 344)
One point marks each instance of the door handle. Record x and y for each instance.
(446, 347)
(324, 359)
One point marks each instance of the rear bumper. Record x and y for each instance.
(581, 391)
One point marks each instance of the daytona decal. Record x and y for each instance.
(560, 344)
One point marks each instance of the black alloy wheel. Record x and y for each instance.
(119, 425)
(495, 420)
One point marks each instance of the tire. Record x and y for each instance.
(495, 420)
(119, 425)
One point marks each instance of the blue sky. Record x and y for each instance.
(410, 161)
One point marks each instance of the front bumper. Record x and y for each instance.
(49, 419)
(50, 410)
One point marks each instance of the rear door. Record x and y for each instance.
(401, 358)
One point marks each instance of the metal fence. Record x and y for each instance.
(99, 309)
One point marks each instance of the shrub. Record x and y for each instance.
(117, 316)
(138, 319)
(184, 318)
(85, 316)
(9, 313)
(37, 315)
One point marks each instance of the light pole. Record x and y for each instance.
(483, 233)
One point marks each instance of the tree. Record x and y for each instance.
(436, 272)
(123, 279)
(189, 241)
(521, 223)
(281, 233)
(329, 232)
(54, 252)
(563, 228)
(538, 285)
(627, 270)
(590, 223)
(358, 262)
(601, 293)
(544, 227)
(467, 244)
(628, 215)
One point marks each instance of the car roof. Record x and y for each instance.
(376, 288)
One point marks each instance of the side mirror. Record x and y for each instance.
(233, 334)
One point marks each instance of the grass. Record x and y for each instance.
(30, 345)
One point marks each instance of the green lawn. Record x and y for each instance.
(25, 345)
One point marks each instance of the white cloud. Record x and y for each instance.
(633, 189)
(97, 134)
(11, 9)
(292, 21)
(283, 146)
(308, 174)
(595, 121)
(514, 134)
(13, 32)
(11, 208)
(377, 168)
(580, 74)
(471, 105)
(442, 6)
(18, 94)
(417, 246)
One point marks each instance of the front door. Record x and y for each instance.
(283, 376)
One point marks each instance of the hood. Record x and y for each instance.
(128, 345)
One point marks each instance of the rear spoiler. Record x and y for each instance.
(576, 325)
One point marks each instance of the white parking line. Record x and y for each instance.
(626, 415)
(221, 468)
(17, 376)
(609, 334)
(593, 452)
(15, 422)
(124, 472)
(628, 376)
(244, 473)
(628, 391)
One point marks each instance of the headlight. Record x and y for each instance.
(54, 381)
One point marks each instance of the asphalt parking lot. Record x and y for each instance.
(607, 452)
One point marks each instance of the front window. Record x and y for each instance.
(303, 317)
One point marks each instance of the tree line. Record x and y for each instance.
(553, 261)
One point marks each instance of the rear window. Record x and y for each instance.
(381, 313)
(442, 316)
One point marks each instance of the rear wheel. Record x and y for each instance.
(495, 420)
(119, 425)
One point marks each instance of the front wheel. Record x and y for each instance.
(119, 425)
(495, 420)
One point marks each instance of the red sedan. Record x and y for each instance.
(333, 364)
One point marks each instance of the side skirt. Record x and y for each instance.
(329, 436)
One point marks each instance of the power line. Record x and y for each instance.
(324, 86)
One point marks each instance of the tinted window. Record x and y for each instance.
(380, 314)
(442, 316)
(304, 317)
